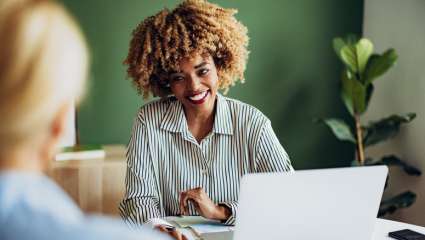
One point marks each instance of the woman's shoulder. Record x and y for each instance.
(244, 112)
(155, 109)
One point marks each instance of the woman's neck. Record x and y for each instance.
(21, 160)
(200, 124)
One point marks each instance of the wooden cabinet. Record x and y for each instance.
(96, 185)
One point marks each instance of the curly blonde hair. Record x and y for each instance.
(195, 26)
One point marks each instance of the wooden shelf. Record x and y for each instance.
(96, 185)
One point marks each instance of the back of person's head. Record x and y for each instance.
(43, 61)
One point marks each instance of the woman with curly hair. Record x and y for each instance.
(189, 150)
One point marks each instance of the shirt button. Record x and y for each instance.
(205, 172)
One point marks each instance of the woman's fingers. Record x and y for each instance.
(177, 235)
(200, 200)
(183, 203)
(185, 197)
(165, 228)
(202, 203)
(172, 231)
(161, 228)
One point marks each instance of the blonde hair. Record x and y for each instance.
(194, 26)
(43, 61)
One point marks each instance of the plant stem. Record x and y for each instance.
(359, 140)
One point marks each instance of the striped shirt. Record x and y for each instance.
(164, 159)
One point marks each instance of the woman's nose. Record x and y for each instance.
(194, 83)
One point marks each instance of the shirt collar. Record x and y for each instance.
(223, 120)
(174, 119)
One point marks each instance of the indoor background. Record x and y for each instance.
(292, 75)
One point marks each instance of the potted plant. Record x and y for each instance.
(361, 69)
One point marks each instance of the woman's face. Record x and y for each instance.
(195, 84)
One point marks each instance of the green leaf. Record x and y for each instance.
(353, 94)
(346, 94)
(340, 129)
(338, 44)
(402, 200)
(379, 64)
(356, 56)
(348, 102)
(348, 56)
(392, 160)
(364, 48)
(369, 92)
(385, 129)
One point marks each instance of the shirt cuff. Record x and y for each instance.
(233, 206)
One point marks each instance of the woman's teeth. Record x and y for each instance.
(198, 96)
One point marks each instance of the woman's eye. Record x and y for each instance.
(177, 78)
(203, 72)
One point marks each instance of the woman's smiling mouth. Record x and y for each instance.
(199, 97)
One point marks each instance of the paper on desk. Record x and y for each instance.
(154, 222)
(188, 221)
(199, 224)
(211, 228)
(188, 234)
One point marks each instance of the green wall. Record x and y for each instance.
(292, 74)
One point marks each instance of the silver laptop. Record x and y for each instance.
(328, 204)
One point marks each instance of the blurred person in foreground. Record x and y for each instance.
(43, 61)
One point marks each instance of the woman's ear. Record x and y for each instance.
(56, 131)
(58, 126)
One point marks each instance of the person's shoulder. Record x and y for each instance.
(155, 109)
(244, 112)
(36, 196)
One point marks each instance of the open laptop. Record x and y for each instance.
(328, 204)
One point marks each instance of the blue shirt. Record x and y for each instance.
(33, 207)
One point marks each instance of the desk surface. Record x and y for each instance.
(382, 228)
(97, 185)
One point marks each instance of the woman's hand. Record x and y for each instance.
(203, 204)
(172, 231)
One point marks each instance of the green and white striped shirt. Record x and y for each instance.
(164, 159)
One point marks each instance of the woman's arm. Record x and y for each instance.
(270, 156)
(141, 200)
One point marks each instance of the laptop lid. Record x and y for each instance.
(331, 204)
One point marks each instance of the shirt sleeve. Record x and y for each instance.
(141, 199)
(233, 206)
(270, 156)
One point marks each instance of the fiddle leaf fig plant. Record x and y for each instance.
(361, 68)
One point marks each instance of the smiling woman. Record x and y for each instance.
(189, 150)
(195, 86)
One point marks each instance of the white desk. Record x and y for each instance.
(382, 228)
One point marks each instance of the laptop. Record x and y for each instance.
(331, 204)
(328, 204)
